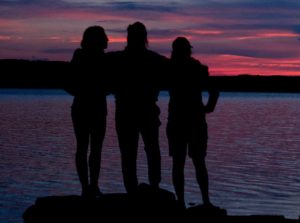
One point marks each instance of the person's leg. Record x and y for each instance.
(150, 134)
(97, 136)
(178, 177)
(177, 149)
(128, 142)
(197, 151)
(82, 141)
(202, 178)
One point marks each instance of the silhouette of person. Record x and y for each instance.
(136, 92)
(187, 127)
(89, 110)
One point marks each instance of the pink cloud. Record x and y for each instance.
(231, 40)
(235, 65)
(5, 38)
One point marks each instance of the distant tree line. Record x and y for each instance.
(55, 74)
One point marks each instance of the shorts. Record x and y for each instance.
(188, 138)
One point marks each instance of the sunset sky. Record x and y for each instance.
(260, 37)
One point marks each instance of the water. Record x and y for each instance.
(253, 153)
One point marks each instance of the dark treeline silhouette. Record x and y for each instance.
(257, 83)
(53, 74)
(33, 74)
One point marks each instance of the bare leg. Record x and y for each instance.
(150, 137)
(202, 178)
(97, 136)
(128, 137)
(178, 177)
(82, 167)
(94, 164)
(82, 140)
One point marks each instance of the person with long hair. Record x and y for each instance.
(89, 108)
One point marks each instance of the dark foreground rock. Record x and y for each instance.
(147, 204)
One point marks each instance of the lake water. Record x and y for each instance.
(253, 153)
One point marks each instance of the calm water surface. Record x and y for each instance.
(253, 153)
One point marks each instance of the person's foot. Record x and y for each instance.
(85, 192)
(155, 186)
(94, 191)
(181, 205)
(132, 190)
(209, 205)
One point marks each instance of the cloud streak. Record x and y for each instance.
(266, 31)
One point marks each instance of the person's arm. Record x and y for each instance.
(70, 85)
(213, 94)
(164, 73)
(114, 70)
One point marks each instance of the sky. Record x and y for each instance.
(232, 37)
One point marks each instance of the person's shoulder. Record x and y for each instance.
(156, 55)
(77, 55)
(115, 57)
(203, 67)
(197, 62)
(78, 51)
(114, 54)
(153, 53)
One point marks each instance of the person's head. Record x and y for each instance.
(181, 48)
(137, 35)
(94, 37)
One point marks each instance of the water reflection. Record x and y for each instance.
(253, 153)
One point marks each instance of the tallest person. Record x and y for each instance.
(136, 93)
